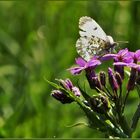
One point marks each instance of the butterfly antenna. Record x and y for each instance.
(124, 42)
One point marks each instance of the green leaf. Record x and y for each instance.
(135, 118)
(85, 95)
(78, 124)
(138, 89)
(52, 84)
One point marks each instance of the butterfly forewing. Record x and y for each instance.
(90, 28)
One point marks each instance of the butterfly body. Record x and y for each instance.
(93, 40)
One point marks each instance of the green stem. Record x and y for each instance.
(135, 118)
(108, 92)
(124, 125)
(121, 119)
(138, 90)
(120, 96)
(125, 102)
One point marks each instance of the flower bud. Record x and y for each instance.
(96, 83)
(93, 79)
(67, 84)
(120, 70)
(90, 73)
(102, 78)
(105, 102)
(132, 79)
(138, 77)
(118, 78)
(76, 91)
(99, 104)
(60, 96)
(112, 80)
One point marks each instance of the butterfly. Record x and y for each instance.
(93, 40)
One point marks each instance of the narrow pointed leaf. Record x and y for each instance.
(78, 124)
(52, 84)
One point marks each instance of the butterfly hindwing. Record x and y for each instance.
(88, 47)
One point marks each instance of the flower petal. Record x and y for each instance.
(108, 57)
(81, 62)
(137, 54)
(76, 70)
(123, 52)
(132, 65)
(120, 64)
(93, 63)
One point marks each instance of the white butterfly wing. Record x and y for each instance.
(93, 40)
(90, 28)
(87, 47)
(83, 50)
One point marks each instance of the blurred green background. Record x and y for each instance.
(37, 39)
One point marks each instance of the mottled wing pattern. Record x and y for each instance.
(88, 47)
(93, 39)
